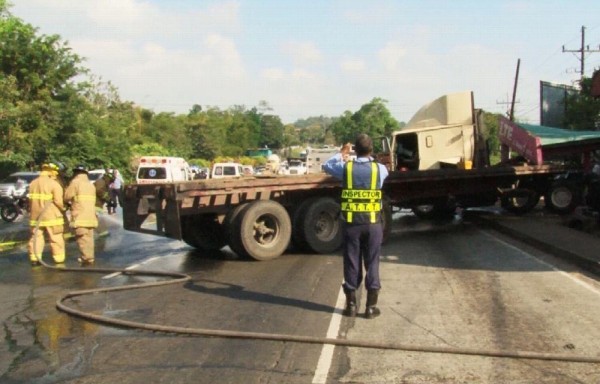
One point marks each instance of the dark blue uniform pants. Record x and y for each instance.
(362, 246)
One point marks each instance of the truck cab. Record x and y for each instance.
(442, 134)
(162, 169)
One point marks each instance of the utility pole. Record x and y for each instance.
(511, 111)
(512, 104)
(582, 51)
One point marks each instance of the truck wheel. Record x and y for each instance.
(263, 229)
(232, 225)
(424, 211)
(437, 210)
(563, 197)
(519, 200)
(9, 213)
(203, 232)
(316, 225)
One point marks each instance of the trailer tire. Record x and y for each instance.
(436, 210)
(316, 225)
(232, 226)
(203, 232)
(520, 200)
(563, 197)
(262, 229)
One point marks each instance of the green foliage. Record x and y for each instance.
(372, 118)
(582, 110)
(491, 123)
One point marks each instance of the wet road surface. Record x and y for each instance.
(445, 285)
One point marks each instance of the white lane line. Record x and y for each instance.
(133, 266)
(326, 357)
(566, 274)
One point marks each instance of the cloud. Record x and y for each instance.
(391, 55)
(129, 19)
(302, 53)
(353, 65)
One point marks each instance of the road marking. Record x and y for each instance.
(133, 266)
(566, 274)
(326, 357)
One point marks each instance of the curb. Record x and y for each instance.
(544, 246)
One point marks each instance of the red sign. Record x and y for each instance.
(520, 140)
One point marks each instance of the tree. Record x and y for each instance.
(271, 132)
(36, 73)
(372, 118)
(582, 111)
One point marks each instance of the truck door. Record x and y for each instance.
(406, 152)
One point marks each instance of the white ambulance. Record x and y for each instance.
(162, 169)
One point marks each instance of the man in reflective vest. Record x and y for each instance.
(361, 204)
(81, 195)
(46, 215)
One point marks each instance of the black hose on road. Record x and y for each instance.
(180, 278)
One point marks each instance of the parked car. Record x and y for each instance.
(16, 184)
(297, 167)
(226, 170)
(95, 174)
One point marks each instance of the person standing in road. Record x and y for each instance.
(46, 215)
(81, 196)
(115, 191)
(361, 204)
(103, 191)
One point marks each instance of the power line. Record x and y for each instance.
(582, 51)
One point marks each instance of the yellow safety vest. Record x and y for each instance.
(361, 205)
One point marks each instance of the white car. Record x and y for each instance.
(297, 167)
(95, 174)
(16, 184)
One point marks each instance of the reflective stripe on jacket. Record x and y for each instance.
(82, 196)
(361, 198)
(46, 202)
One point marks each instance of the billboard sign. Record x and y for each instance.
(553, 103)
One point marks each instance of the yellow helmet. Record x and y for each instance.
(50, 167)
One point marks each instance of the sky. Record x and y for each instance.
(323, 58)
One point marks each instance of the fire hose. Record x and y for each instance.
(179, 278)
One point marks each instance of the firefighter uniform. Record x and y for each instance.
(102, 186)
(81, 195)
(46, 215)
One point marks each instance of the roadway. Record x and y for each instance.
(453, 293)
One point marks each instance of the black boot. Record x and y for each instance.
(350, 309)
(372, 311)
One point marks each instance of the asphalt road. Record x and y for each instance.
(450, 287)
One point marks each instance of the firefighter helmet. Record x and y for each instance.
(50, 166)
(80, 168)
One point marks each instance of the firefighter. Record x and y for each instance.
(103, 191)
(361, 204)
(46, 215)
(81, 196)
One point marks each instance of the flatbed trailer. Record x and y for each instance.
(260, 216)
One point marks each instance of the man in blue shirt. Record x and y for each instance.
(361, 204)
